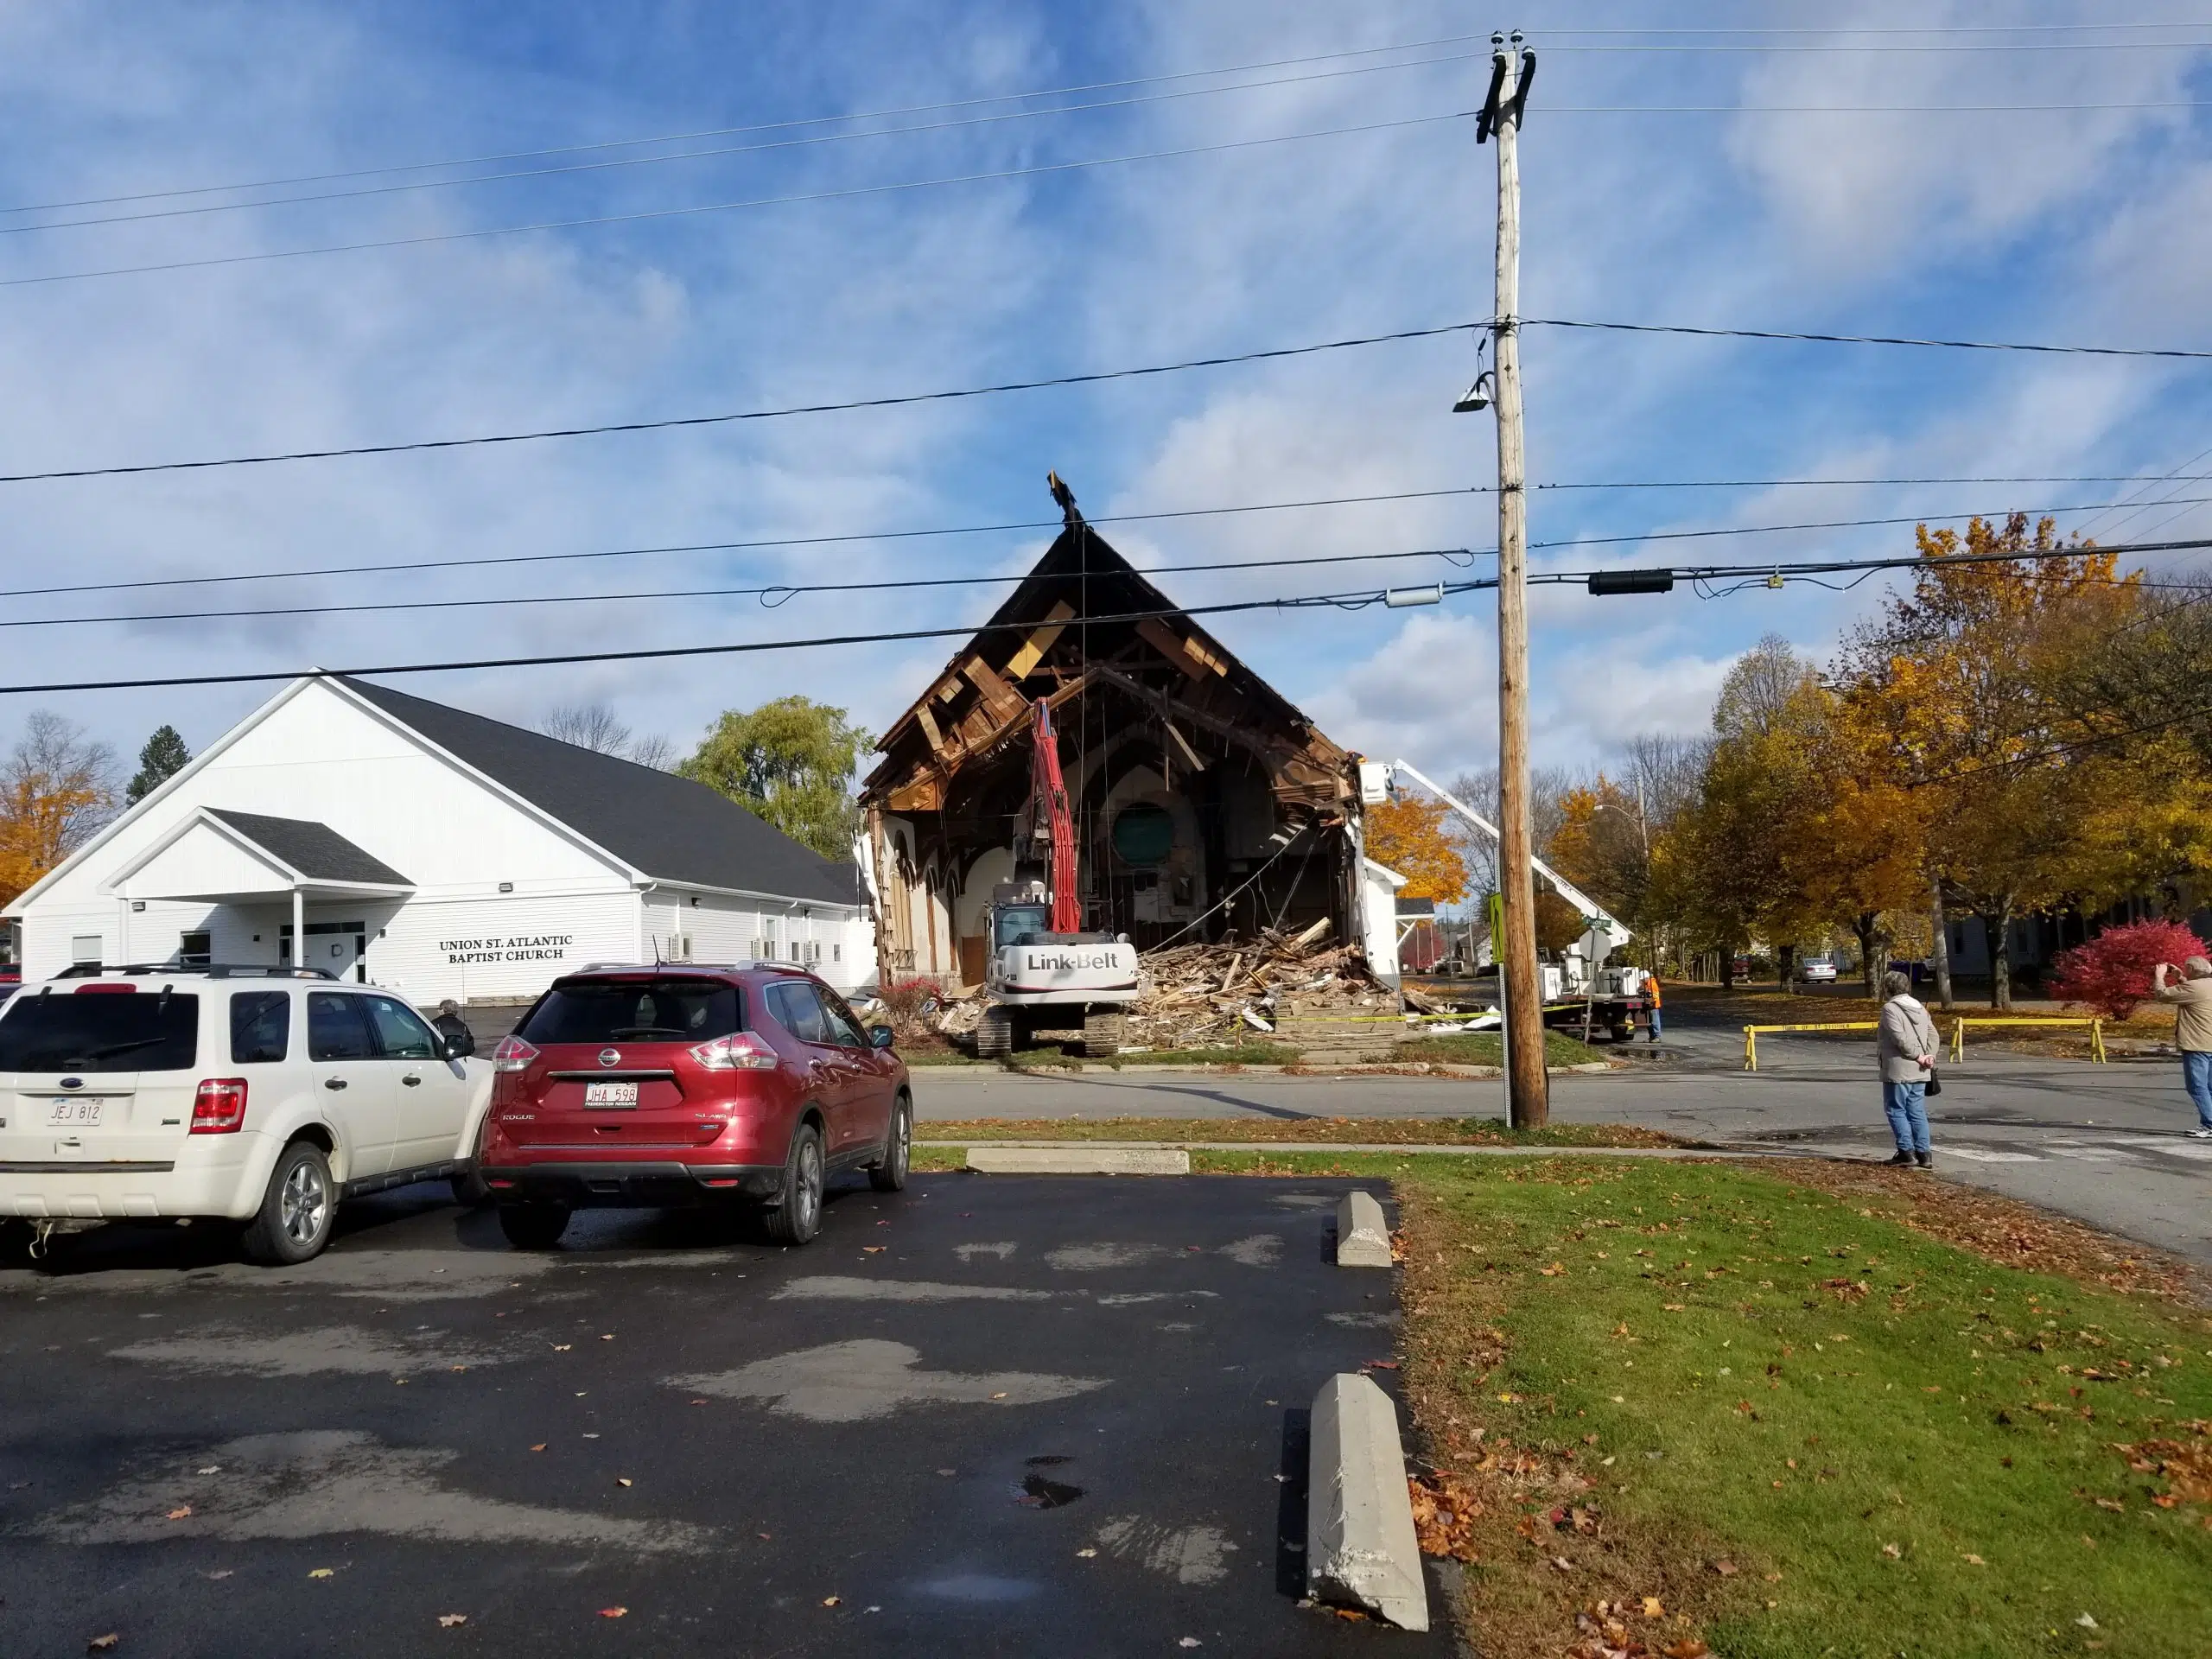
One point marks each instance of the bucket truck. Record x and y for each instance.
(1579, 989)
(1044, 971)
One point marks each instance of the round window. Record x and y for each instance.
(1143, 834)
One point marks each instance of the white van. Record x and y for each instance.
(259, 1094)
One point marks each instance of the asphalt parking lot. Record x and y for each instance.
(990, 1414)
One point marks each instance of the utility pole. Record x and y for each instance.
(1528, 1087)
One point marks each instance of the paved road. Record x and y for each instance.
(991, 1415)
(2104, 1143)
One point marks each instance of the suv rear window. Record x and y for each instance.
(105, 1031)
(634, 1011)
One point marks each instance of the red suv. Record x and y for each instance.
(683, 1085)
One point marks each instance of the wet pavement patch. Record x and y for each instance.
(1048, 1417)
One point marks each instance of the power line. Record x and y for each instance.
(572, 168)
(888, 401)
(1356, 600)
(1551, 109)
(598, 220)
(732, 132)
(1891, 28)
(847, 537)
(771, 594)
(1823, 48)
(1863, 339)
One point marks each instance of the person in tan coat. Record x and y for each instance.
(1905, 1047)
(2192, 1032)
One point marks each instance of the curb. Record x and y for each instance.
(1363, 1236)
(1361, 1550)
(1089, 1159)
(1445, 1148)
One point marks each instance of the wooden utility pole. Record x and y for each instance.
(1528, 1087)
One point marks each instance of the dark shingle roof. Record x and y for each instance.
(315, 850)
(667, 828)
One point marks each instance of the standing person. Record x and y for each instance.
(1905, 1044)
(1651, 991)
(449, 1023)
(2192, 1032)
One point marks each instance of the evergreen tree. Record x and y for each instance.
(163, 757)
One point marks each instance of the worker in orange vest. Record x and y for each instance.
(1651, 991)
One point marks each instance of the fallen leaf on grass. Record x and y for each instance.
(1690, 1647)
(1674, 1307)
(1892, 1551)
(448, 1621)
(1974, 1561)
(1552, 1271)
(1562, 1564)
(613, 1613)
(1652, 1608)
(183, 1512)
(1726, 1569)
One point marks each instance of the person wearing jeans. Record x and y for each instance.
(2192, 1032)
(1904, 1048)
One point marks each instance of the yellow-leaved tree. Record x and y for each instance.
(1409, 836)
(56, 789)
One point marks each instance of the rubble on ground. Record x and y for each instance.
(1246, 991)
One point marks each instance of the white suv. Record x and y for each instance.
(253, 1094)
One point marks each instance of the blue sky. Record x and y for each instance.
(2085, 224)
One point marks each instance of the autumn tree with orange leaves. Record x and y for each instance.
(1956, 691)
(56, 789)
(1409, 836)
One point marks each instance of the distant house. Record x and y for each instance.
(384, 838)
(1421, 944)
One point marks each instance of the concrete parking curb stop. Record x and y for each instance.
(1363, 1236)
(1361, 1550)
(1078, 1161)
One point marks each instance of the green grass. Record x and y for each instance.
(1945, 1410)
(1930, 1402)
(1484, 1048)
(1237, 1054)
(915, 1057)
(1318, 1131)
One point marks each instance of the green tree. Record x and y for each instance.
(791, 762)
(163, 757)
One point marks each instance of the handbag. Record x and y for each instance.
(1935, 1083)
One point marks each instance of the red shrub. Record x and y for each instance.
(2112, 972)
(909, 1001)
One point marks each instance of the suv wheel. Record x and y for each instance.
(293, 1224)
(799, 1218)
(533, 1226)
(890, 1175)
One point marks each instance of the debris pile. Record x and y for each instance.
(1279, 987)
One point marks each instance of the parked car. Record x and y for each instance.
(663, 1085)
(1817, 970)
(261, 1094)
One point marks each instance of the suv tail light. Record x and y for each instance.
(218, 1106)
(739, 1052)
(513, 1055)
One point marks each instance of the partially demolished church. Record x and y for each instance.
(1205, 805)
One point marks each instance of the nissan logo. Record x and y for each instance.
(72, 1083)
(610, 1057)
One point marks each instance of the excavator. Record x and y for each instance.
(1044, 972)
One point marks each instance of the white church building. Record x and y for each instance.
(386, 838)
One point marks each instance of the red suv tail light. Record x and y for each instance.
(218, 1106)
(739, 1052)
(513, 1055)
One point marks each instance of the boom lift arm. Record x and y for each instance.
(1600, 920)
